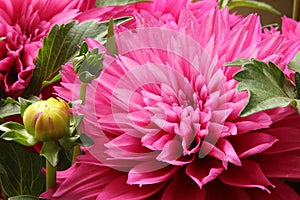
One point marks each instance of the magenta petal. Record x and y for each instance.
(287, 141)
(253, 122)
(85, 182)
(128, 143)
(249, 175)
(229, 151)
(210, 169)
(118, 189)
(252, 143)
(150, 173)
(283, 165)
(183, 188)
(223, 151)
(281, 191)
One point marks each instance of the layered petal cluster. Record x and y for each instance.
(164, 116)
(170, 12)
(290, 37)
(23, 24)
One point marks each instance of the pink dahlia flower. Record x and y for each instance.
(164, 118)
(289, 41)
(291, 29)
(167, 12)
(24, 24)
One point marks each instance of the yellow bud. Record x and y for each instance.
(47, 120)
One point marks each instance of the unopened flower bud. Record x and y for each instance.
(47, 120)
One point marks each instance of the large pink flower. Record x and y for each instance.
(164, 118)
(24, 24)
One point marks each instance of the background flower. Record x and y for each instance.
(164, 116)
(24, 24)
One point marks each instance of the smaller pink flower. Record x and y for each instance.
(24, 24)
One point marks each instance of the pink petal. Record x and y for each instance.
(244, 34)
(248, 175)
(223, 151)
(253, 122)
(283, 165)
(151, 172)
(171, 152)
(281, 191)
(86, 182)
(128, 143)
(140, 118)
(289, 140)
(290, 28)
(204, 170)
(118, 189)
(156, 140)
(252, 143)
(229, 151)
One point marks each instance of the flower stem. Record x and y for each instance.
(296, 10)
(76, 148)
(76, 152)
(83, 92)
(50, 175)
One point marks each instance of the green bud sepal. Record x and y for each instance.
(16, 132)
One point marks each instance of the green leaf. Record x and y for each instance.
(223, 3)
(75, 121)
(117, 21)
(24, 103)
(239, 62)
(271, 26)
(85, 140)
(14, 131)
(297, 82)
(23, 197)
(58, 48)
(295, 63)
(54, 79)
(84, 48)
(91, 67)
(111, 45)
(2, 38)
(9, 107)
(75, 137)
(252, 4)
(50, 151)
(267, 86)
(101, 3)
(65, 159)
(68, 142)
(20, 170)
(78, 139)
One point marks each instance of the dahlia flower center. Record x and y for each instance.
(171, 118)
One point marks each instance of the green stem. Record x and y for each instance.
(50, 175)
(76, 152)
(296, 10)
(83, 92)
(76, 148)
